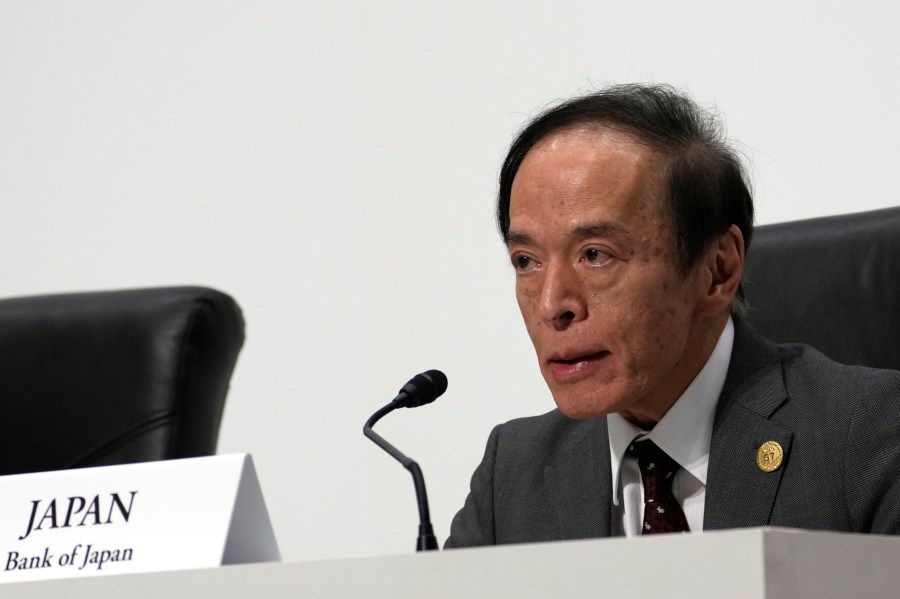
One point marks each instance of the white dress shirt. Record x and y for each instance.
(684, 433)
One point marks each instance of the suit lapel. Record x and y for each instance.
(738, 493)
(580, 483)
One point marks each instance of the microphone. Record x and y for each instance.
(422, 389)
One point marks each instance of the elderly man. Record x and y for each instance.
(627, 219)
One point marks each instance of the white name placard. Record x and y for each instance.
(170, 515)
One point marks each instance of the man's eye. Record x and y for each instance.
(522, 262)
(595, 256)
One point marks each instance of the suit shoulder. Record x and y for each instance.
(547, 432)
(828, 397)
(807, 369)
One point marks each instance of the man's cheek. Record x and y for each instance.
(528, 301)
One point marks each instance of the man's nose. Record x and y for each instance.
(562, 300)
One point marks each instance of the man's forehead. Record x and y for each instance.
(590, 134)
(580, 164)
(573, 155)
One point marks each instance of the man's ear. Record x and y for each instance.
(725, 265)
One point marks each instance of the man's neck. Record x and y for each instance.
(699, 348)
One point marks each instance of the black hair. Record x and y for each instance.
(706, 187)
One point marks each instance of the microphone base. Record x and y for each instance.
(426, 540)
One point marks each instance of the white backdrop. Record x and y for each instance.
(332, 166)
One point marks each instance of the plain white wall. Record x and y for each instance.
(332, 165)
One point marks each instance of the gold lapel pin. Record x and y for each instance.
(769, 456)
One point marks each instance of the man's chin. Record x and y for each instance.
(580, 409)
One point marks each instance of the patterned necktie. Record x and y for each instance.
(662, 513)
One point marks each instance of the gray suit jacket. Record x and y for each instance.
(547, 478)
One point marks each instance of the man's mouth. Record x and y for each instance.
(567, 368)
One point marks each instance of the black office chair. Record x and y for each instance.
(833, 283)
(91, 379)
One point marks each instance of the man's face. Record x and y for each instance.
(610, 316)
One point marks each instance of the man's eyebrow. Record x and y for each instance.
(598, 230)
(579, 233)
(516, 237)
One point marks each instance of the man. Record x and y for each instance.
(627, 219)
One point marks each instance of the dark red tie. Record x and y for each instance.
(662, 513)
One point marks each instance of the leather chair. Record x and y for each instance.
(833, 283)
(91, 379)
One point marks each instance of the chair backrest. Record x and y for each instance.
(833, 283)
(90, 379)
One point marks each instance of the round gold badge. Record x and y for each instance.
(769, 456)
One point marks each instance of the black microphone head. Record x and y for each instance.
(422, 389)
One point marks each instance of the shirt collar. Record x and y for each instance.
(684, 432)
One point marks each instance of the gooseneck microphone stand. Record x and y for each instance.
(423, 388)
